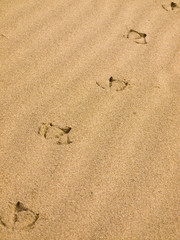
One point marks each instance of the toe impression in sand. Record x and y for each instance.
(2, 222)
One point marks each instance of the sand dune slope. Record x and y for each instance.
(115, 175)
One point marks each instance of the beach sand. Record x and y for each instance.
(115, 175)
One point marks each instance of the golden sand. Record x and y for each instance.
(115, 174)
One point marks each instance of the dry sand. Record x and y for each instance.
(119, 178)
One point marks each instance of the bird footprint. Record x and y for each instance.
(115, 84)
(172, 7)
(54, 132)
(23, 218)
(118, 84)
(137, 37)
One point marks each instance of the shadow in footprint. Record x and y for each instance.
(137, 37)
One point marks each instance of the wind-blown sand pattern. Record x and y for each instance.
(119, 178)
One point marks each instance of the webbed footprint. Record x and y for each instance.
(55, 133)
(172, 7)
(117, 84)
(21, 218)
(137, 37)
(24, 217)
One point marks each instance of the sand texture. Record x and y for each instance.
(89, 120)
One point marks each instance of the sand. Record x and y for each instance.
(115, 175)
